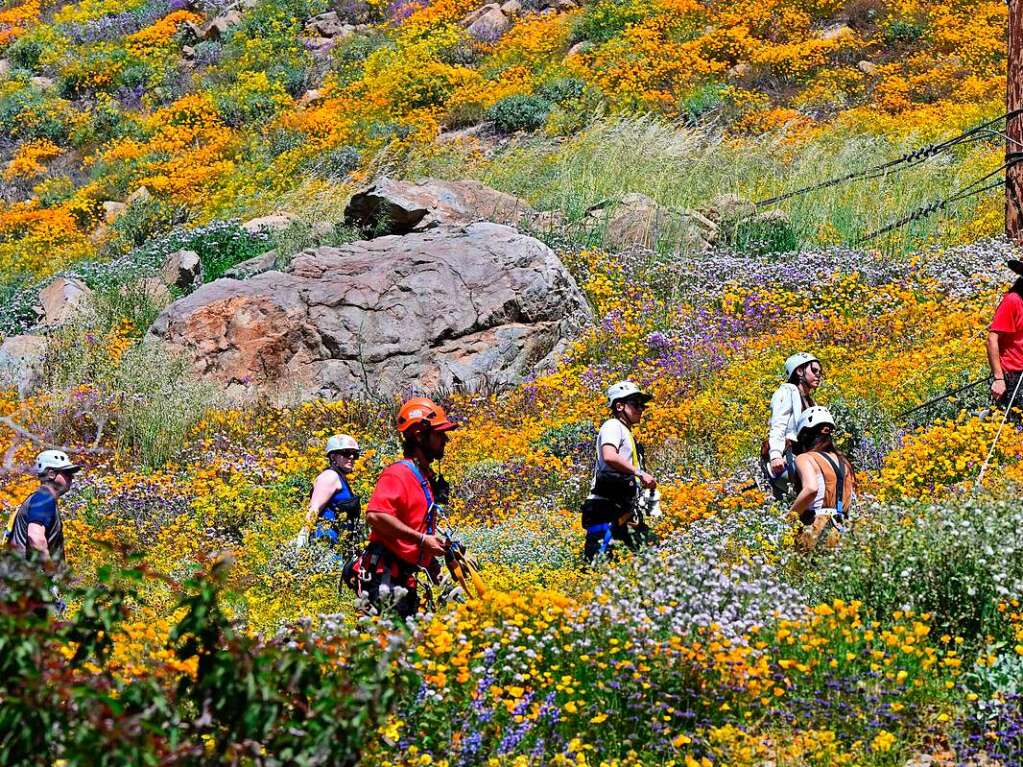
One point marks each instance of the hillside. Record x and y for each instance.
(198, 634)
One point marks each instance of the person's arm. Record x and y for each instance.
(781, 416)
(37, 540)
(613, 459)
(325, 486)
(998, 384)
(808, 477)
(389, 526)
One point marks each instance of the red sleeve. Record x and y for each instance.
(1008, 315)
(389, 494)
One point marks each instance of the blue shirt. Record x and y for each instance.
(40, 508)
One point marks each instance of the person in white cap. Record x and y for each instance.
(37, 529)
(609, 512)
(334, 514)
(803, 374)
(826, 480)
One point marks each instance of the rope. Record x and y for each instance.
(1008, 407)
(936, 205)
(940, 397)
(913, 157)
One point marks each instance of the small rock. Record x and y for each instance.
(585, 46)
(188, 53)
(99, 234)
(310, 96)
(217, 29)
(275, 222)
(21, 362)
(319, 47)
(253, 266)
(867, 67)
(5, 67)
(739, 71)
(182, 270)
(512, 8)
(192, 30)
(62, 299)
(490, 25)
(43, 83)
(564, 5)
(141, 194)
(112, 210)
(834, 32)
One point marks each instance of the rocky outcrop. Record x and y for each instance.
(328, 25)
(445, 307)
(640, 221)
(390, 206)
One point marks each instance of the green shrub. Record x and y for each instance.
(568, 439)
(561, 89)
(30, 114)
(25, 52)
(701, 101)
(765, 234)
(304, 697)
(957, 560)
(519, 112)
(348, 57)
(903, 31)
(337, 163)
(142, 221)
(606, 19)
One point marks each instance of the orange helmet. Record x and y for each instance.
(422, 411)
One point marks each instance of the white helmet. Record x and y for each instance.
(624, 389)
(814, 416)
(341, 442)
(796, 361)
(56, 460)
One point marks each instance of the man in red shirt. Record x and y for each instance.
(402, 514)
(1005, 343)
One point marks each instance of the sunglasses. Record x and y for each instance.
(816, 370)
(353, 454)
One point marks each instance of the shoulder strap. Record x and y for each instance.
(839, 470)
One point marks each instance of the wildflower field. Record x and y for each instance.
(197, 634)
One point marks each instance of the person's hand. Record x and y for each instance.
(434, 545)
(998, 388)
(647, 480)
(777, 466)
(302, 539)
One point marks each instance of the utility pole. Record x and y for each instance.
(1014, 124)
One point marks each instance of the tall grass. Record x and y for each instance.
(685, 167)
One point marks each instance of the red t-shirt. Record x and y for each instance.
(399, 493)
(1008, 323)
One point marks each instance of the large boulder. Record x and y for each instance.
(487, 24)
(442, 308)
(21, 362)
(391, 206)
(62, 299)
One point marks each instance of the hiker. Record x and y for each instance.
(1005, 344)
(803, 374)
(335, 513)
(825, 480)
(37, 529)
(610, 511)
(402, 515)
